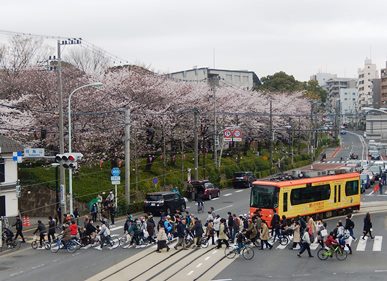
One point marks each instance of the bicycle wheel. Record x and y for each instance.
(204, 242)
(323, 254)
(284, 240)
(71, 247)
(47, 246)
(123, 241)
(16, 244)
(248, 253)
(341, 254)
(34, 244)
(257, 243)
(230, 252)
(55, 247)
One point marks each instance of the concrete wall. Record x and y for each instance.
(376, 127)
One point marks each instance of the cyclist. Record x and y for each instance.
(73, 229)
(251, 232)
(331, 242)
(241, 239)
(42, 232)
(66, 234)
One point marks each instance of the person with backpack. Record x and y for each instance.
(305, 243)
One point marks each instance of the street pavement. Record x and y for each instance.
(366, 263)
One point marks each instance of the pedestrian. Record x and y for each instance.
(112, 212)
(275, 225)
(210, 232)
(198, 232)
(209, 217)
(181, 232)
(302, 224)
(367, 228)
(265, 236)
(322, 232)
(51, 229)
(150, 227)
(94, 212)
(350, 225)
(59, 214)
(236, 225)
(305, 244)
(312, 228)
(19, 229)
(347, 239)
(296, 235)
(223, 238)
(217, 225)
(230, 226)
(162, 240)
(42, 232)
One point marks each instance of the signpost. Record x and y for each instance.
(115, 179)
(232, 134)
(33, 152)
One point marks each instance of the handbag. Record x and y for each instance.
(324, 233)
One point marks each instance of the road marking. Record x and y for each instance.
(227, 194)
(213, 199)
(115, 228)
(16, 273)
(314, 246)
(207, 258)
(214, 252)
(239, 191)
(281, 247)
(199, 265)
(190, 273)
(362, 244)
(377, 247)
(228, 206)
(380, 270)
(40, 265)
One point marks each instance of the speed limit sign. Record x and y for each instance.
(237, 135)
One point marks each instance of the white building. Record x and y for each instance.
(364, 84)
(333, 87)
(322, 78)
(8, 177)
(238, 78)
(348, 104)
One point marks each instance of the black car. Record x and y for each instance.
(243, 179)
(164, 202)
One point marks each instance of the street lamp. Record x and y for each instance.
(96, 85)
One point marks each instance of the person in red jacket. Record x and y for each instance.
(73, 229)
(331, 242)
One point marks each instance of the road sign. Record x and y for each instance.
(237, 135)
(227, 135)
(115, 179)
(116, 171)
(33, 152)
(155, 180)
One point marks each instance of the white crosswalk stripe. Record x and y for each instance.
(362, 244)
(377, 247)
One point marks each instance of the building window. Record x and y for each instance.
(2, 170)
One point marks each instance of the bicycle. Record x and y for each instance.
(10, 244)
(124, 241)
(59, 244)
(246, 251)
(324, 253)
(35, 243)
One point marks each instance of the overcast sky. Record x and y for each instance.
(300, 37)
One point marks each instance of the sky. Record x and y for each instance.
(300, 37)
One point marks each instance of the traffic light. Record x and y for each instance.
(69, 160)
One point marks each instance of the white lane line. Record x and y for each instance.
(362, 244)
(213, 199)
(228, 206)
(380, 270)
(207, 258)
(115, 228)
(227, 194)
(377, 247)
(214, 252)
(190, 273)
(199, 265)
(372, 192)
(16, 273)
(40, 265)
(239, 191)
(281, 247)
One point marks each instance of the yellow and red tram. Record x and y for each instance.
(324, 196)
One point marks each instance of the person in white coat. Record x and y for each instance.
(217, 225)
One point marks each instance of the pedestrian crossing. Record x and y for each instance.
(333, 162)
(361, 246)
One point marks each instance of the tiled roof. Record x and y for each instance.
(8, 146)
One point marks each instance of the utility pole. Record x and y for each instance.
(127, 155)
(164, 156)
(271, 133)
(182, 155)
(61, 133)
(214, 82)
(196, 145)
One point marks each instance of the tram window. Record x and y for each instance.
(351, 188)
(285, 202)
(310, 194)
